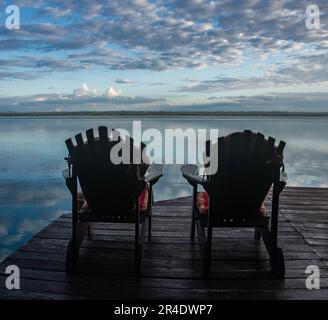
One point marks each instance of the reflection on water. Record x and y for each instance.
(32, 192)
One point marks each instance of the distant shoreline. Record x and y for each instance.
(166, 114)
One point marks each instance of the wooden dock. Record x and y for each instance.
(172, 263)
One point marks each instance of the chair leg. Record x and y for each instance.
(206, 260)
(139, 247)
(209, 249)
(142, 242)
(203, 246)
(138, 260)
(73, 248)
(71, 257)
(277, 261)
(205, 270)
(90, 231)
(194, 213)
(257, 234)
(149, 225)
(192, 231)
(150, 210)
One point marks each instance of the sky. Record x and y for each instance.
(156, 55)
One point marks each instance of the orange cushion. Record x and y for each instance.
(143, 201)
(202, 204)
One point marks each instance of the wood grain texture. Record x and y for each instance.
(172, 264)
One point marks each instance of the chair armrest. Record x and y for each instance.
(275, 163)
(282, 181)
(66, 174)
(283, 177)
(190, 173)
(68, 179)
(155, 172)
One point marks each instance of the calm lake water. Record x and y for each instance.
(32, 151)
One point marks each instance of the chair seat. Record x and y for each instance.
(202, 204)
(143, 202)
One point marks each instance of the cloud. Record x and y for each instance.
(310, 68)
(82, 99)
(112, 93)
(16, 75)
(278, 101)
(157, 84)
(30, 226)
(84, 91)
(3, 231)
(253, 45)
(163, 35)
(54, 12)
(125, 81)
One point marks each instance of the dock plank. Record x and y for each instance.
(172, 263)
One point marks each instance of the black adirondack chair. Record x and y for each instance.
(248, 166)
(114, 193)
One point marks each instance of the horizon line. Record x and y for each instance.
(164, 113)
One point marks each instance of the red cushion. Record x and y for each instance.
(202, 204)
(143, 201)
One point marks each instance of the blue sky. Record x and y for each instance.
(163, 55)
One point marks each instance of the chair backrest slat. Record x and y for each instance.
(258, 148)
(208, 148)
(79, 140)
(90, 136)
(221, 150)
(103, 134)
(233, 149)
(70, 146)
(246, 146)
(281, 148)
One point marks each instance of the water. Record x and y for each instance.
(32, 151)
